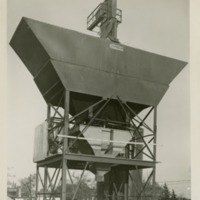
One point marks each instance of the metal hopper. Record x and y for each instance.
(103, 84)
(91, 68)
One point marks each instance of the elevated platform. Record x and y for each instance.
(96, 16)
(100, 14)
(77, 161)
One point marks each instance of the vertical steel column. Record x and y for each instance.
(48, 121)
(109, 28)
(36, 184)
(48, 112)
(113, 11)
(45, 169)
(112, 6)
(65, 143)
(154, 149)
(126, 185)
(45, 182)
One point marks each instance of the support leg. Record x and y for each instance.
(36, 185)
(45, 182)
(154, 150)
(126, 186)
(65, 143)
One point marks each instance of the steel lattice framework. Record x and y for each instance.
(69, 158)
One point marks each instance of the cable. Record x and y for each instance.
(174, 181)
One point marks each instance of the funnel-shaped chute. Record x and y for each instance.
(91, 68)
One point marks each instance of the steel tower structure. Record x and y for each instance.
(94, 85)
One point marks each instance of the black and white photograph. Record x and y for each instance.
(98, 100)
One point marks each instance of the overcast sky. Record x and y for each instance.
(159, 26)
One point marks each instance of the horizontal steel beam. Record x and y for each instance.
(50, 160)
(108, 160)
(101, 140)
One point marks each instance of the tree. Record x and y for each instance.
(173, 196)
(161, 193)
(28, 186)
(166, 193)
(151, 190)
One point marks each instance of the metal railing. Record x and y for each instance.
(101, 14)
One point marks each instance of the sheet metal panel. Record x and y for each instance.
(28, 48)
(47, 78)
(90, 65)
(40, 142)
(81, 49)
(108, 84)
